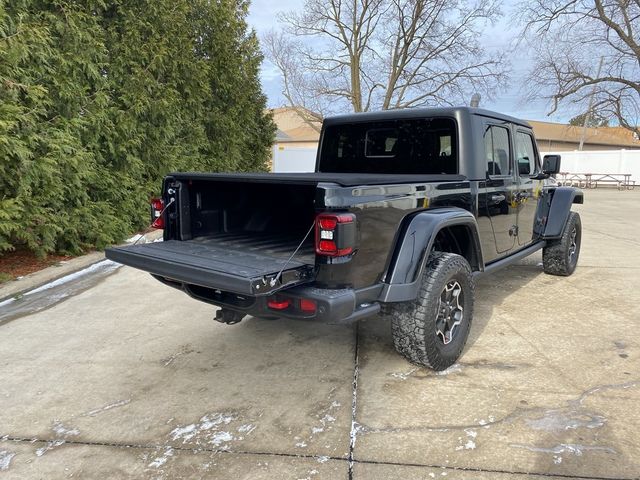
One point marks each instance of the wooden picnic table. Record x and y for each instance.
(591, 180)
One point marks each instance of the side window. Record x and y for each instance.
(525, 154)
(445, 145)
(497, 150)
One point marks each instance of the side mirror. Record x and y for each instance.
(551, 164)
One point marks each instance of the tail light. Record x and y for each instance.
(335, 234)
(157, 209)
(308, 306)
(279, 303)
(305, 306)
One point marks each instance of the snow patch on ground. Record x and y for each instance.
(557, 420)
(105, 265)
(5, 459)
(184, 350)
(49, 446)
(220, 438)
(120, 403)
(161, 460)
(455, 368)
(326, 417)
(247, 428)
(60, 429)
(7, 302)
(185, 433)
(570, 448)
(140, 238)
(470, 444)
(404, 375)
(209, 430)
(324, 423)
(208, 422)
(135, 238)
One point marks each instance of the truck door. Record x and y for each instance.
(529, 190)
(499, 190)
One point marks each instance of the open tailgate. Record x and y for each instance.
(224, 264)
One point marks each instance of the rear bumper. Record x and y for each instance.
(333, 305)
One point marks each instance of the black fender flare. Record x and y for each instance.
(561, 200)
(414, 242)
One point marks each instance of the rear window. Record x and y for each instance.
(421, 146)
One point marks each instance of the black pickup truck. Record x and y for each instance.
(406, 208)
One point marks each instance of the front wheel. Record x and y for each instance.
(432, 330)
(560, 257)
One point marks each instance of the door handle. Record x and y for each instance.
(498, 198)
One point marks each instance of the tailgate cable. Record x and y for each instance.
(274, 280)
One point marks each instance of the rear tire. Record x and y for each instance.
(432, 330)
(560, 257)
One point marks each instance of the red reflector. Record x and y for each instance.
(327, 246)
(308, 306)
(157, 207)
(278, 304)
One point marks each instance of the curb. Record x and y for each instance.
(37, 279)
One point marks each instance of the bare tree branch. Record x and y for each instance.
(570, 37)
(378, 54)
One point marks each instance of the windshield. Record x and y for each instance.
(420, 146)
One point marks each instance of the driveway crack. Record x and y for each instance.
(354, 401)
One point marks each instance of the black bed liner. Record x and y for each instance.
(342, 179)
(235, 263)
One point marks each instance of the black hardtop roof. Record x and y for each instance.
(419, 113)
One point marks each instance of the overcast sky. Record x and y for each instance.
(262, 17)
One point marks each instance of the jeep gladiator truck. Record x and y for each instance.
(405, 209)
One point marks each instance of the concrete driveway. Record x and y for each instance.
(128, 378)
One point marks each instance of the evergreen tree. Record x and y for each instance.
(595, 120)
(100, 99)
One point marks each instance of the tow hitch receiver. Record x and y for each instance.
(229, 317)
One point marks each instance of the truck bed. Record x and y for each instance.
(239, 263)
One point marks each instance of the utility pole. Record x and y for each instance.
(587, 117)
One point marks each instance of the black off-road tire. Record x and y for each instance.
(560, 257)
(414, 324)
